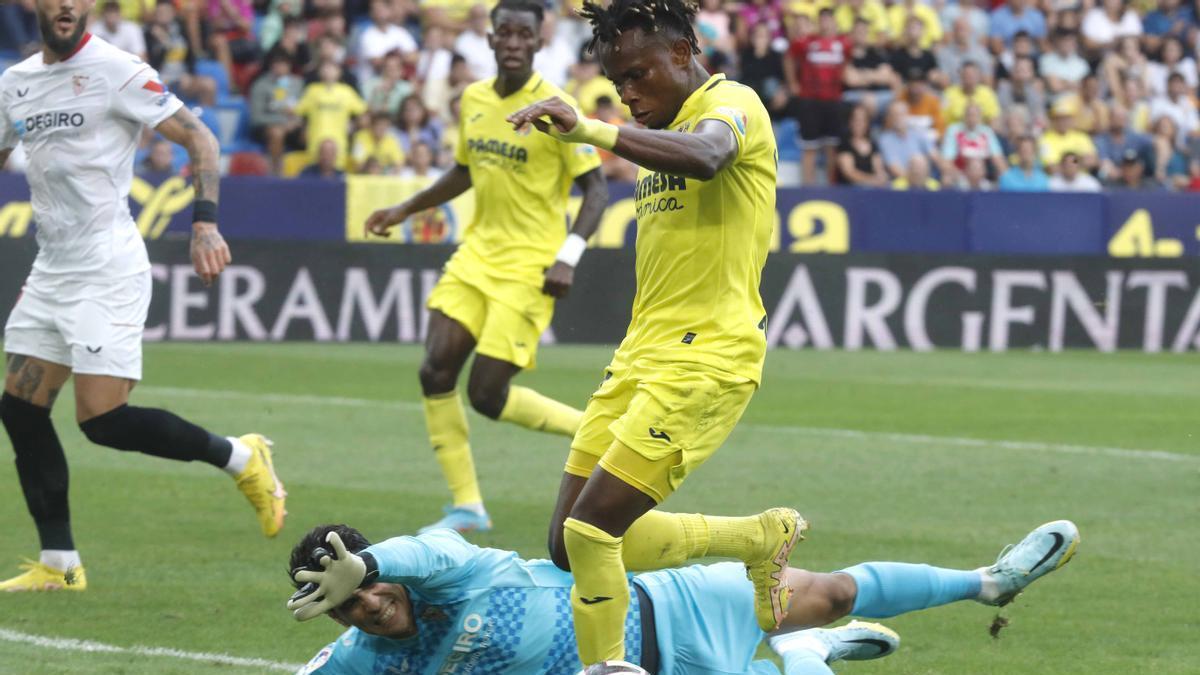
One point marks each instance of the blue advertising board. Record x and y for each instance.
(818, 220)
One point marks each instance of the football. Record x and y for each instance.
(613, 668)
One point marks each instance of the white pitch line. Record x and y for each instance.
(286, 399)
(73, 645)
(854, 434)
(923, 439)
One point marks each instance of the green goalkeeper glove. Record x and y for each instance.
(342, 573)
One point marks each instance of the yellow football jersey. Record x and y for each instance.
(701, 245)
(329, 109)
(521, 180)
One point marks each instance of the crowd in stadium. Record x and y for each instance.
(1061, 95)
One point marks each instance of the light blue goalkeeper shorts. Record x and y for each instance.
(704, 617)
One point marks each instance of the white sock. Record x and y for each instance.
(60, 560)
(476, 508)
(989, 590)
(238, 458)
(800, 640)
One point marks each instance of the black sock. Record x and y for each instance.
(41, 468)
(151, 431)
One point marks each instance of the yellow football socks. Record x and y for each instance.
(600, 597)
(531, 410)
(738, 537)
(659, 540)
(447, 424)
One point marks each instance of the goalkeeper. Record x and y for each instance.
(435, 603)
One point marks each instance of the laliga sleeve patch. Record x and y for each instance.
(317, 661)
(737, 117)
(159, 91)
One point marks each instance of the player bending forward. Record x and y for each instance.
(79, 107)
(497, 294)
(435, 603)
(693, 354)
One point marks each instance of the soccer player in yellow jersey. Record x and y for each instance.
(694, 350)
(497, 294)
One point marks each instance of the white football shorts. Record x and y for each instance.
(93, 327)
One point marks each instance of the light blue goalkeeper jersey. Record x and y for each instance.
(479, 611)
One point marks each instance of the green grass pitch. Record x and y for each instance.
(873, 448)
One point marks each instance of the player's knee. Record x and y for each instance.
(20, 417)
(842, 592)
(436, 380)
(9, 416)
(486, 398)
(107, 429)
(558, 549)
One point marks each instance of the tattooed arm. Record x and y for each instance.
(210, 254)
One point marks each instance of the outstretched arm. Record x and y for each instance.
(210, 253)
(438, 564)
(561, 274)
(701, 154)
(452, 184)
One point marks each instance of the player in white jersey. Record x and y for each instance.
(79, 107)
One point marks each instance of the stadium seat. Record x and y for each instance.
(8, 58)
(179, 157)
(786, 139)
(230, 113)
(244, 74)
(216, 71)
(248, 164)
(208, 115)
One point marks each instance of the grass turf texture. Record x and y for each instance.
(175, 559)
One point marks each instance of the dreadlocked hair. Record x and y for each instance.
(652, 16)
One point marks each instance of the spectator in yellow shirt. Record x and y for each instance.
(451, 14)
(329, 106)
(870, 11)
(898, 17)
(1062, 139)
(972, 90)
(377, 143)
(137, 11)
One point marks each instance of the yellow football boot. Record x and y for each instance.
(782, 530)
(39, 577)
(261, 486)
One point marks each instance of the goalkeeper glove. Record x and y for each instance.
(341, 574)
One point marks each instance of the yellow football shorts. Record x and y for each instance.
(669, 419)
(500, 331)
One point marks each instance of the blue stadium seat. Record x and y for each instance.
(229, 114)
(216, 71)
(241, 134)
(179, 157)
(209, 117)
(787, 140)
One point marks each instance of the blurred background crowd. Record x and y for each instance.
(1060, 95)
